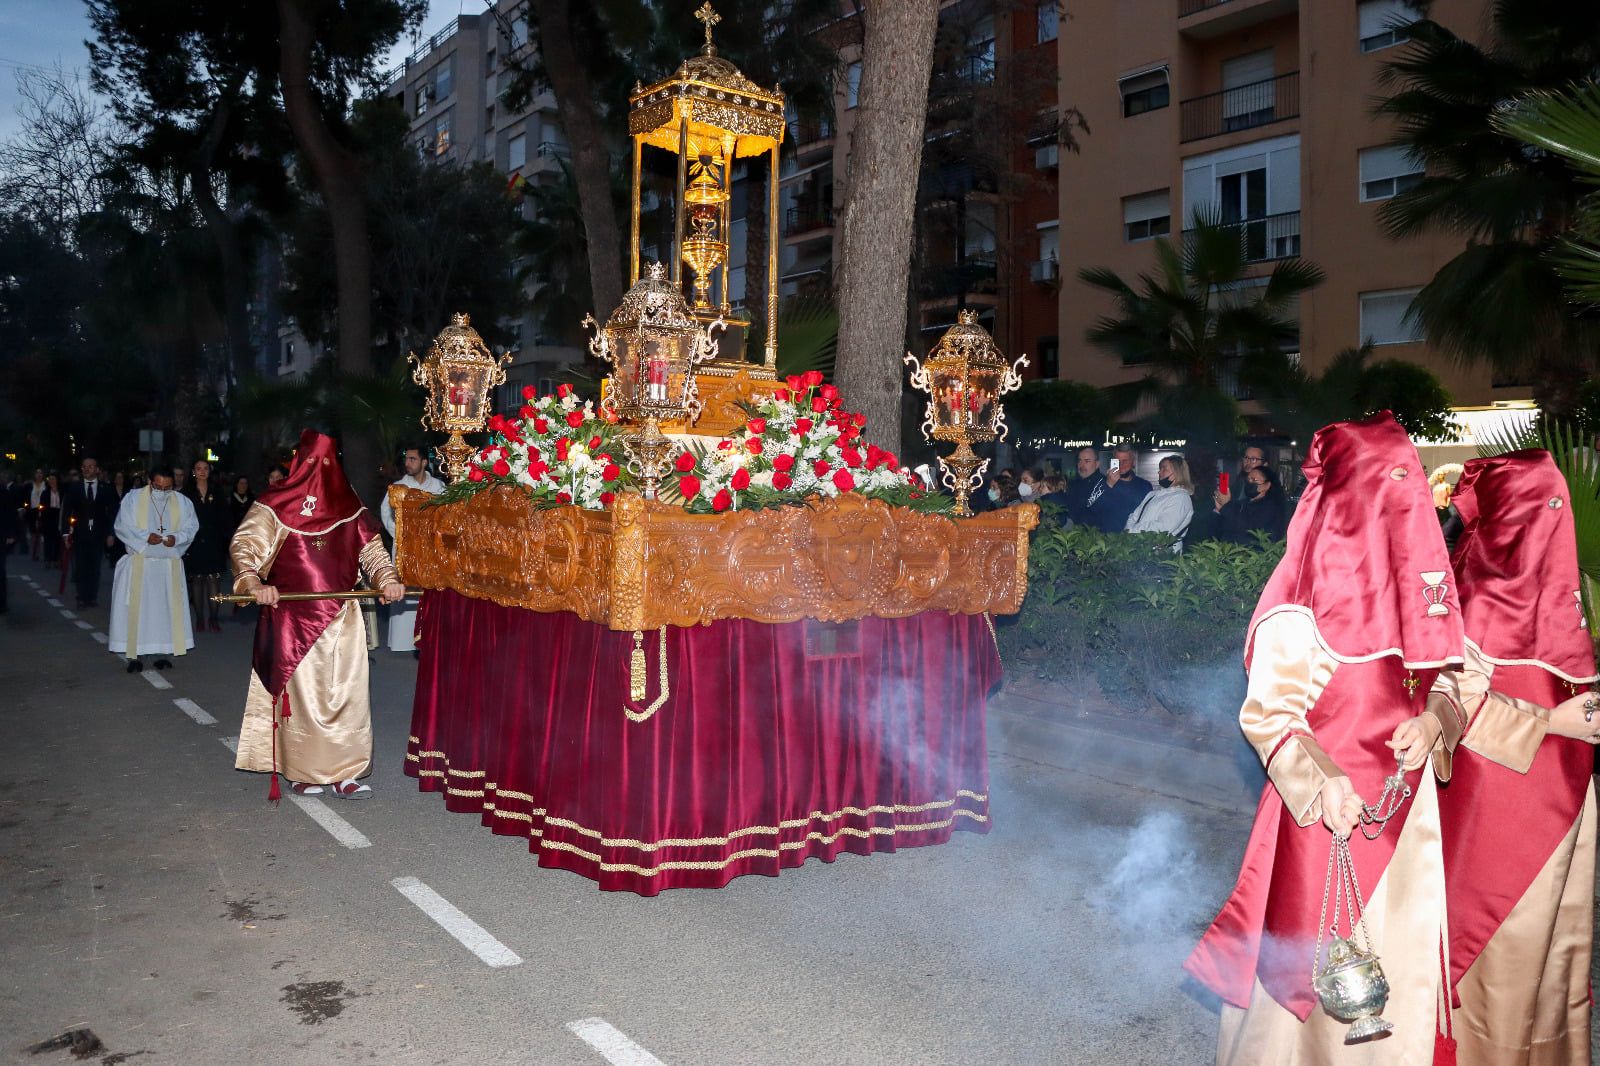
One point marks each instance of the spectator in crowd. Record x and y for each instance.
(1170, 507)
(1089, 482)
(239, 502)
(119, 484)
(1253, 458)
(1030, 485)
(48, 519)
(1054, 499)
(180, 479)
(207, 557)
(88, 513)
(1108, 508)
(1263, 507)
(35, 490)
(10, 535)
(276, 474)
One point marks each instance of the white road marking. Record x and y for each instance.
(341, 830)
(67, 614)
(472, 936)
(40, 590)
(195, 711)
(101, 637)
(81, 624)
(611, 1042)
(231, 743)
(155, 679)
(52, 601)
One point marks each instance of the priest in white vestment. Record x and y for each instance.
(149, 596)
(403, 616)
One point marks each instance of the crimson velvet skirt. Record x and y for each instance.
(778, 742)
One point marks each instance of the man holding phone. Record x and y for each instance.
(1108, 499)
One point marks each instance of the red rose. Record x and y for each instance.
(754, 444)
(802, 425)
(722, 500)
(724, 445)
(564, 497)
(740, 480)
(688, 487)
(795, 382)
(757, 426)
(561, 449)
(496, 421)
(781, 394)
(874, 455)
(860, 421)
(525, 411)
(575, 419)
(813, 378)
(529, 392)
(537, 470)
(594, 442)
(850, 432)
(604, 457)
(829, 393)
(475, 474)
(611, 472)
(683, 463)
(851, 456)
(782, 462)
(844, 481)
(563, 391)
(606, 498)
(889, 460)
(818, 404)
(821, 467)
(533, 455)
(501, 468)
(541, 425)
(781, 481)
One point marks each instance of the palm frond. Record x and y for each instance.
(1567, 124)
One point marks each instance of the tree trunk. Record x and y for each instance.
(591, 165)
(337, 172)
(880, 208)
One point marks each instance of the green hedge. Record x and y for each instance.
(1124, 610)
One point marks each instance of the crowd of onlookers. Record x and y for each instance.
(66, 519)
(1107, 493)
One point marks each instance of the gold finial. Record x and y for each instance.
(656, 272)
(461, 318)
(967, 318)
(709, 16)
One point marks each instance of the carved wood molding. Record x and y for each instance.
(644, 565)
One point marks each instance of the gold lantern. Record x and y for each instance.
(458, 373)
(653, 344)
(709, 115)
(965, 376)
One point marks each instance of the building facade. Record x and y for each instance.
(1261, 112)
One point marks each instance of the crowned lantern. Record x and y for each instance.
(458, 372)
(964, 376)
(708, 116)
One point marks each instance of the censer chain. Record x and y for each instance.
(1395, 792)
(1341, 884)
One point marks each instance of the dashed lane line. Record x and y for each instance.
(337, 827)
(81, 624)
(52, 601)
(231, 743)
(101, 637)
(65, 613)
(195, 711)
(611, 1043)
(471, 935)
(155, 679)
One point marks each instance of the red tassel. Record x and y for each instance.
(1444, 1050)
(273, 794)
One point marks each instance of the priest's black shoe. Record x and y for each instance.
(163, 664)
(135, 666)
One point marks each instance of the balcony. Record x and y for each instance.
(1203, 19)
(958, 283)
(805, 222)
(1243, 107)
(809, 133)
(1045, 271)
(1266, 238)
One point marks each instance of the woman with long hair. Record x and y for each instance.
(1262, 507)
(1169, 508)
(49, 518)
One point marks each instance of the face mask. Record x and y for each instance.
(994, 495)
(1024, 490)
(1165, 482)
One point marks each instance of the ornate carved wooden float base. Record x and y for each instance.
(644, 564)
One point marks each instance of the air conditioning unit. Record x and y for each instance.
(1045, 271)
(1047, 157)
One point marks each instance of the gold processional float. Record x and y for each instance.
(648, 564)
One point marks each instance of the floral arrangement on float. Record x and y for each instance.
(797, 445)
(557, 449)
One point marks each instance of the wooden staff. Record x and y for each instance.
(290, 597)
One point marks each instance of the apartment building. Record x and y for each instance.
(987, 223)
(451, 87)
(1261, 111)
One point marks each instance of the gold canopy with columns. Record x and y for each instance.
(708, 114)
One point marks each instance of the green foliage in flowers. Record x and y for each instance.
(1124, 610)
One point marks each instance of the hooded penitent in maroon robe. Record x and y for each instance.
(1352, 627)
(1518, 814)
(309, 533)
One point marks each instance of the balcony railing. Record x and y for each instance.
(959, 280)
(1265, 238)
(1242, 107)
(806, 220)
(805, 133)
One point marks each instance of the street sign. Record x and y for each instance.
(150, 440)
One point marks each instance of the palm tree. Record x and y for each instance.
(1192, 323)
(1299, 402)
(1501, 300)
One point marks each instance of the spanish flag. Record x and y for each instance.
(515, 186)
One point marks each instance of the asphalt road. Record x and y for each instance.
(151, 896)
